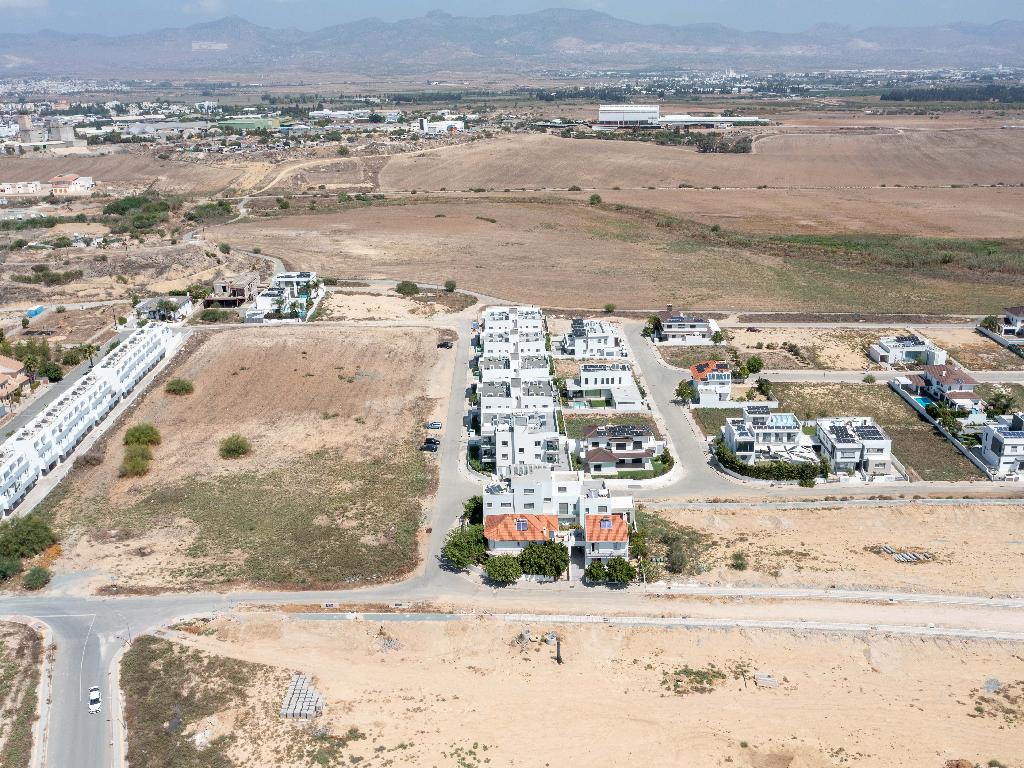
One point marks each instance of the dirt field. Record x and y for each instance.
(73, 326)
(975, 548)
(976, 352)
(380, 304)
(21, 656)
(922, 450)
(423, 694)
(331, 492)
(509, 248)
(807, 159)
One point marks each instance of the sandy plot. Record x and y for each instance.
(975, 351)
(781, 160)
(74, 326)
(975, 548)
(820, 348)
(425, 693)
(21, 652)
(380, 304)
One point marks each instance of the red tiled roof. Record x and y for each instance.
(619, 531)
(599, 454)
(503, 527)
(700, 371)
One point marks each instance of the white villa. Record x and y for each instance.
(523, 440)
(52, 436)
(1012, 322)
(712, 381)
(288, 292)
(760, 435)
(544, 505)
(169, 309)
(1002, 445)
(914, 350)
(610, 383)
(591, 339)
(856, 444)
(608, 449)
(679, 328)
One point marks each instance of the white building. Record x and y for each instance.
(856, 444)
(508, 343)
(912, 350)
(72, 184)
(165, 308)
(680, 328)
(591, 339)
(712, 381)
(1002, 444)
(515, 397)
(27, 188)
(611, 383)
(293, 294)
(628, 115)
(760, 435)
(514, 366)
(1010, 324)
(526, 440)
(611, 448)
(441, 127)
(561, 506)
(513, 319)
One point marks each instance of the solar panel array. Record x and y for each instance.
(869, 433)
(842, 434)
(758, 410)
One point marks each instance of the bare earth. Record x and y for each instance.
(975, 549)
(975, 351)
(21, 652)
(431, 698)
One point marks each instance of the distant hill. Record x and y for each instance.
(551, 39)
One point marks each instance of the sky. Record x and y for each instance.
(125, 16)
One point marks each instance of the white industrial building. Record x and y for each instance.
(611, 116)
(52, 436)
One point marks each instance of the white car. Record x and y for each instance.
(95, 702)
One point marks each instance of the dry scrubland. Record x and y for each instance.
(976, 352)
(562, 254)
(21, 656)
(331, 493)
(424, 694)
(113, 273)
(381, 304)
(976, 548)
(71, 327)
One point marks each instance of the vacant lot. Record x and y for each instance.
(711, 420)
(922, 450)
(565, 254)
(331, 492)
(384, 304)
(574, 425)
(977, 352)
(21, 656)
(423, 694)
(72, 326)
(975, 548)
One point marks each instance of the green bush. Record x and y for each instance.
(805, 474)
(224, 248)
(407, 288)
(550, 558)
(51, 371)
(620, 571)
(449, 285)
(179, 387)
(234, 447)
(596, 571)
(142, 433)
(595, 199)
(137, 451)
(575, 188)
(25, 537)
(473, 510)
(738, 561)
(465, 546)
(212, 315)
(503, 569)
(9, 567)
(37, 578)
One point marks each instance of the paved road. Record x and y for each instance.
(857, 377)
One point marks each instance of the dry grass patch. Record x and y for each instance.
(21, 656)
(977, 352)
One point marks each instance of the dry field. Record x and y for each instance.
(840, 349)
(21, 656)
(976, 548)
(331, 493)
(806, 159)
(375, 304)
(114, 273)
(423, 693)
(561, 254)
(74, 326)
(975, 351)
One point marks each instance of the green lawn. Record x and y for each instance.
(914, 441)
(684, 357)
(711, 420)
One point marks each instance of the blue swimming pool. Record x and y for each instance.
(924, 402)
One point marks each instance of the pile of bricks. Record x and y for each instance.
(301, 700)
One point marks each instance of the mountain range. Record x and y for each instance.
(555, 39)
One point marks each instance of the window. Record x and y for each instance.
(606, 523)
(521, 524)
(527, 490)
(563, 508)
(602, 510)
(528, 505)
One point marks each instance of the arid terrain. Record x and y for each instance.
(21, 658)
(330, 492)
(974, 548)
(423, 693)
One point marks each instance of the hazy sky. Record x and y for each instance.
(118, 16)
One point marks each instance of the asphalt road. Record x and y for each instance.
(90, 631)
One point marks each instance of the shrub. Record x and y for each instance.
(71, 357)
(620, 571)
(465, 546)
(738, 561)
(9, 568)
(25, 536)
(805, 474)
(473, 510)
(575, 188)
(548, 559)
(61, 309)
(212, 315)
(449, 285)
(503, 569)
(716, 228)
(133, 466)
(37, 578)
(407, 288)
(142, 433)
(179, 387)
(609, 307)
(596, 571)
(234, 446)
(595, 199)
(224, 248)
(869, 379)
(755, 364)
(283, 204)
(51, 371)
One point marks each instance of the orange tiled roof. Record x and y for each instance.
(503, 527)
(700, 371)
(619, 531)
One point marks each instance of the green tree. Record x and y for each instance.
(51, 371)
(595, 199)
(596, 571)
(503, 569)
(990, 323)
(620, 570)
(24, 322)
(25, 536)
(717, 337)
(407, 288)
(685, 392)
(755, 364)
(473, 510)
(653, 327)
(464, 547)
(449, 286)
(36, 578)
(999, 402)
(551, 558)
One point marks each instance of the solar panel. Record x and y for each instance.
(842, 433)
(869, 433)
(758, 409)
(1014, 434)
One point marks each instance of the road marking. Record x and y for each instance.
(81, 663)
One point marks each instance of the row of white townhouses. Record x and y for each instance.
(53, 435)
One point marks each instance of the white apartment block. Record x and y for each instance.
(52, 436)
(523, 440)
(591, 339)
(611, 382)
(680, 328)
(760, 435)
(507, 343)
(513, 318)
(557, 505)
(1002, 444)
(913, 349)
(856, 444)
(514, 366)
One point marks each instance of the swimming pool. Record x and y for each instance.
(924, 402)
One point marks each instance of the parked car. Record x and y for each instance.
(444, 345)
(429, 447)
(432, 425)
(432, 441)
(95, 702)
